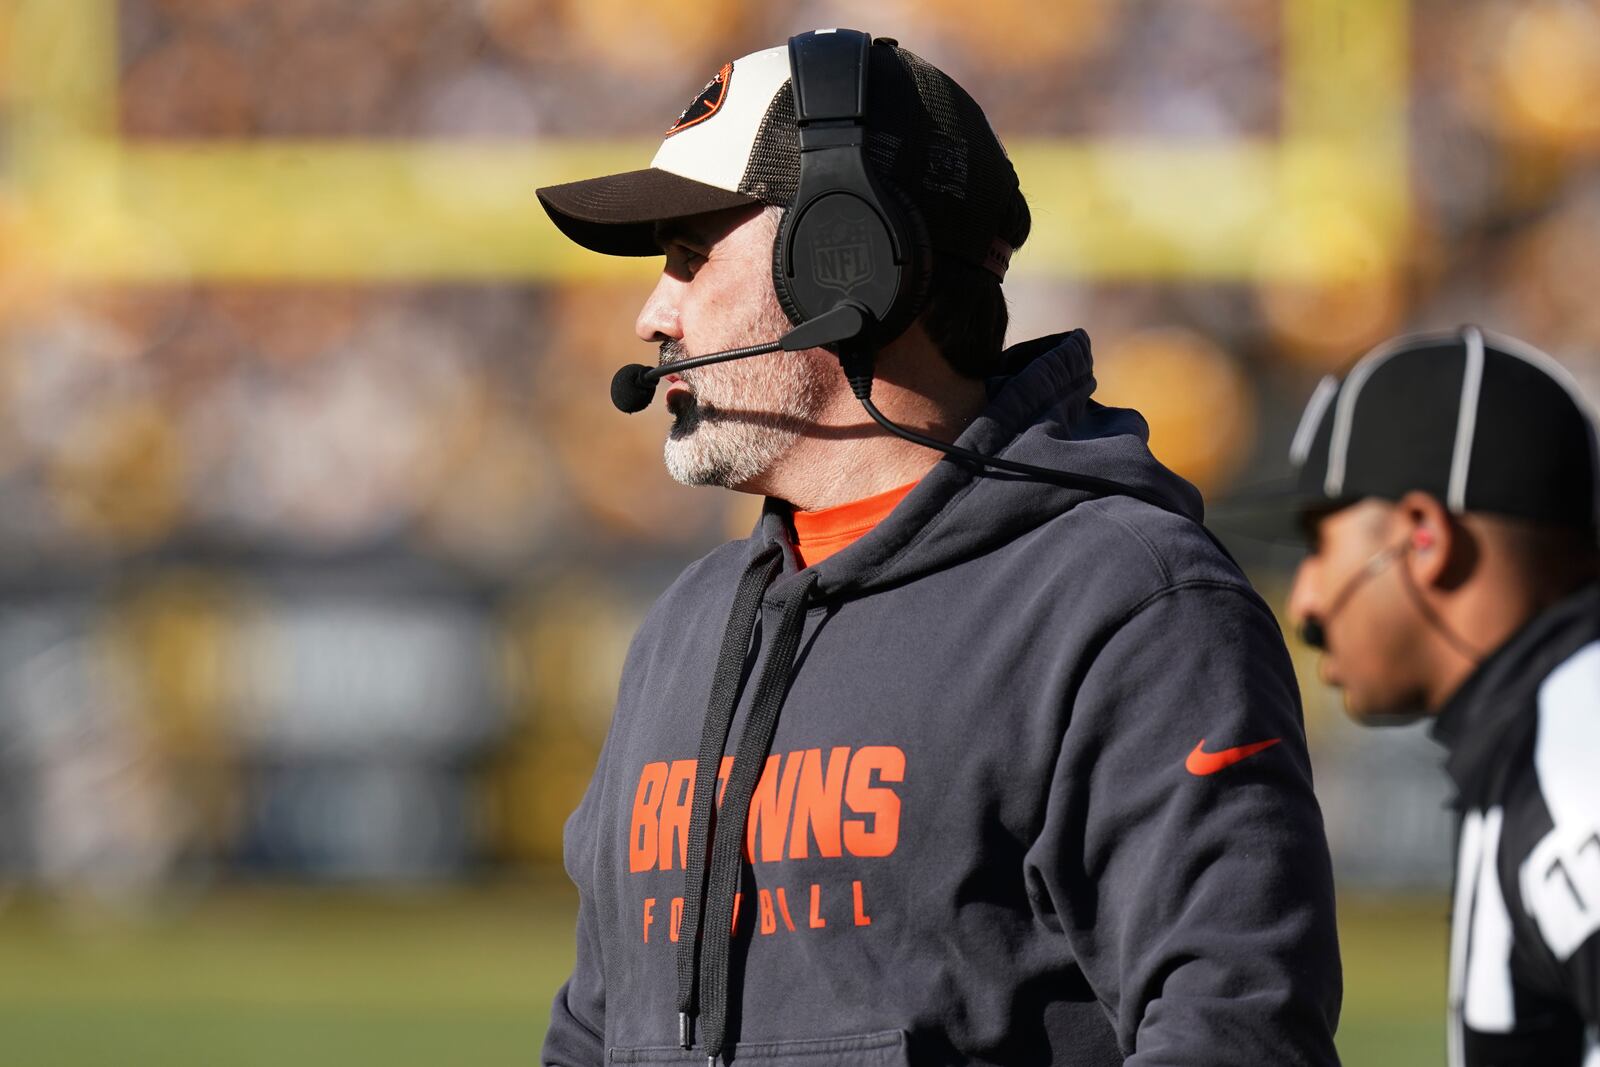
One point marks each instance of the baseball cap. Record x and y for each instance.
(737, 144)
(1483, 422)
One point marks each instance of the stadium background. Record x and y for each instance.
(320, 543)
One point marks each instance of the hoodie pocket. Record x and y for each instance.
(884, 1049)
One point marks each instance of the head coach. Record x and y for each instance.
(978, 749)
(1448, 489)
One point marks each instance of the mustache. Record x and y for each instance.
(672, 352)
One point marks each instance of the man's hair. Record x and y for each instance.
(966, 318)
(1558, 558)
(966, 314)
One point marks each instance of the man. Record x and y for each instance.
(999, 759)
(1448, 488)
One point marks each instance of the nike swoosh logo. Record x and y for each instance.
(1202, 763)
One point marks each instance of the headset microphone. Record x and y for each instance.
(1313, 634)
(634, 386)
(1314, 629)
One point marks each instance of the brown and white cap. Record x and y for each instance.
(737, 144)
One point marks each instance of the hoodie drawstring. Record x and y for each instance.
(725, 686)
(709, 894)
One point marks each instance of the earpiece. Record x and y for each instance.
(1422, 539)
(846, 239)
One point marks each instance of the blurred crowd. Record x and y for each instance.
(333, 580)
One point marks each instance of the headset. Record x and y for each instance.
(847, 240)
(1313, 629)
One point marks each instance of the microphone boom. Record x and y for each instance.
(634, 386)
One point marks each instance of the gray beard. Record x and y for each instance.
(734, 428)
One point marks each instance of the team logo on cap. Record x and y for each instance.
(706, 104)
(842, 255)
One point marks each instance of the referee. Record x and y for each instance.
(1447, 487)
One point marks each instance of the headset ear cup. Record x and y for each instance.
(917, 278)
(841, 248)
(780, 281)
(911, 296)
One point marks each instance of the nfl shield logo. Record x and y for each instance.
(842, 255)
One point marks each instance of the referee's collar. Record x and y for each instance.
(1503, 689)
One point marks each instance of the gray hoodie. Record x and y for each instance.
(1018, 777)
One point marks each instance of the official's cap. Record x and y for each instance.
(1483, 422)
(737, 144)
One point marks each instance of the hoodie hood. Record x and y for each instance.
(1043, 414)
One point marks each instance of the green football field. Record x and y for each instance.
(270, 978)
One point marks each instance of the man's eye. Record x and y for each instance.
(688, 258)
(682, 261)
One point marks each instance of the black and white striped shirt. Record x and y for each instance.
(1524, 741)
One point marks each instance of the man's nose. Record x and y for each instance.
(658, 319)
(1304, 602)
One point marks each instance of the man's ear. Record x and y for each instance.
(1441, 552)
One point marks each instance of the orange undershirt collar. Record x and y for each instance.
(819, 534)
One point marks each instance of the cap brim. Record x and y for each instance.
(617, 214)
(1277, 512)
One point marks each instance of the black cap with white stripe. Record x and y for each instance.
(1483, 422)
